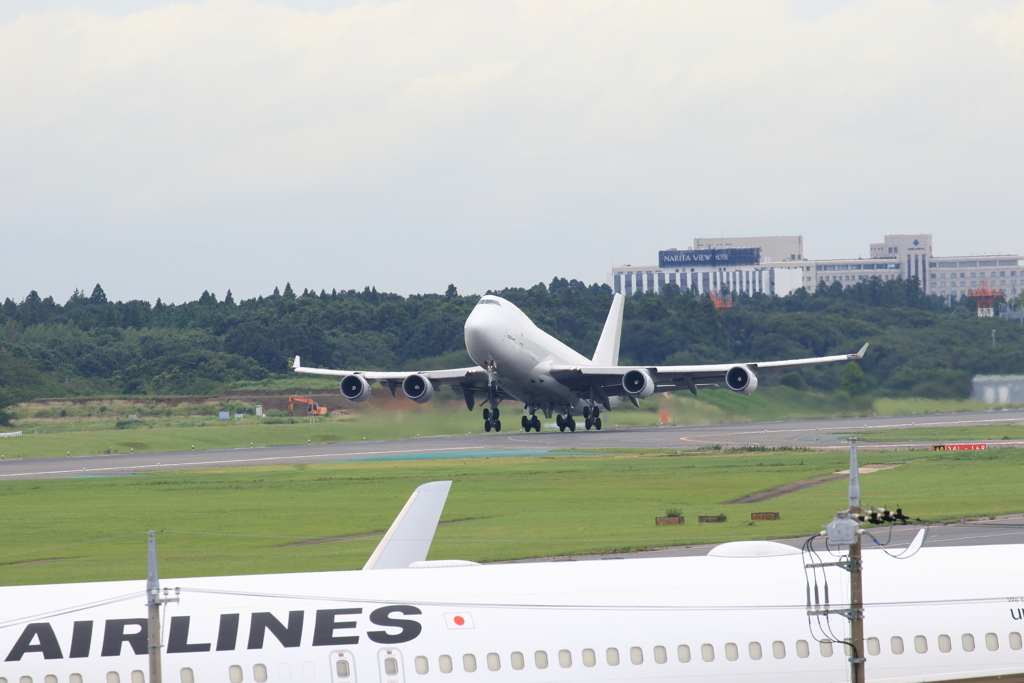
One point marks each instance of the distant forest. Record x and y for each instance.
(92, 346)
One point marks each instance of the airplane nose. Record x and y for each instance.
(481, 330)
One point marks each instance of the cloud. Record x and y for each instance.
(236, 143)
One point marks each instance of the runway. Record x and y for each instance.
(827, 434)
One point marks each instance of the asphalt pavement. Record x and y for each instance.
(824, 434)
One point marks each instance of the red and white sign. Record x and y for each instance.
(457, 620)
(961, 447)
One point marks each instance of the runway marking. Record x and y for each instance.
(235, 461)
(851, 428)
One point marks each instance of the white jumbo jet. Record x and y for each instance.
(517, 360)
(739, 614)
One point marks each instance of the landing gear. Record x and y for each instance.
(566, 422)
(535, 422)
(491, 420)
(526, 424)
(592, 417)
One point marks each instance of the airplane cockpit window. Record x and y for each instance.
(488, 302)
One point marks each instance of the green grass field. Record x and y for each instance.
(940, 435)
(248, 520)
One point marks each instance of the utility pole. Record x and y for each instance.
(153, 603)
(857, 658)
(844, 529)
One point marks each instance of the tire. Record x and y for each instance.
(597, 424)
(497, 425)
(588, 423)
(496, 414)
(487, 426)
(487, 415)
(572, 425)
(526, 423)
(586, 412)
(560, 421)
(535, 421)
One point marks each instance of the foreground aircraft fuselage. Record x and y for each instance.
(516, 360)
(951, 614)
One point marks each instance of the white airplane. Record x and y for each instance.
(738, 614)
(517, 360)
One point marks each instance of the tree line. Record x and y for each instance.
(92, 346)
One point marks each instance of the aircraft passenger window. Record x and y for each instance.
(342, 668)
(920, 644)
(518, 661)
(826, 647)
(967, 642)
(259, 673)
(493, 661)
(25, 679)
(49, 678)
(422, 665)
(74, 678)
(1015, 641)
(284, 672)
(613, 656)
(660, 655)
(683, 653)
(802, 649)
(732, 653)
(469, 663)
(874, 647)
(137, 677)
(234, 674)
(779, 649)
(390, 667)
(114, 677)
(636, 655)
(564, 659)
(444, 663)
(540, 659)
(186, 676)
(945, 645)
(992, 641)
(589, 658)
(896, 643)
(707, 652)
(754, 650)
(847, 650)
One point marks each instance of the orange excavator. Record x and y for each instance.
(312, 407)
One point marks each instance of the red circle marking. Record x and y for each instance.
(459, 621)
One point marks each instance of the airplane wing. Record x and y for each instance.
(605, 381)
(467, 381)
(409, 538)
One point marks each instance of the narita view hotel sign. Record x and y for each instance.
(709, 257)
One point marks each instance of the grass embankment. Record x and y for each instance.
(247, 520)
(941, 435)
(55, 429)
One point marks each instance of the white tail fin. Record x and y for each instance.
(607, 351)
(408, 540)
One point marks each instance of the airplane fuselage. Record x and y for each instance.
(502, 338)
(945, 610)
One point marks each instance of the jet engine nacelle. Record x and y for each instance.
(418, 388)
(355, 388)
(740, 379)
(638, 383)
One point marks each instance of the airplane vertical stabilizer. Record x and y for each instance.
(607, 351)
(408, 540)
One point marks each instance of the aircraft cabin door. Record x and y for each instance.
(391, 670)
(343, 668)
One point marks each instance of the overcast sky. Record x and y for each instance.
(162, 149)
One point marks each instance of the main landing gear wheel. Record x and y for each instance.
(497, 425)
(535, 421)
(588, 423)
(487, 425)
(560, 421)
(572, 424)
(487, 415)
(597, 423)
(526, 424)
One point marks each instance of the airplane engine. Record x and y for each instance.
(638, 383)
(740, 379)
(418, 388)
(355, 388)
